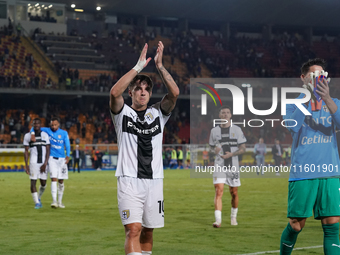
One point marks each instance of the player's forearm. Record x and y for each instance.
(173, 90)
(331, 105)
(45, 129)
(241, 150)
(47, 154)
(121, 85)
(26, 158)
(68, 148)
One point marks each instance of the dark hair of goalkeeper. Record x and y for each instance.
(312, 62)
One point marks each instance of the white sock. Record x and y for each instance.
(41, 190)
(218, 216)
(146, 252)
(54, 191)
(35, 197)
(233, 212)
(134, 253)
(60, 192)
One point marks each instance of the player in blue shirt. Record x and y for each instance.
(57, 162)
(314, 174)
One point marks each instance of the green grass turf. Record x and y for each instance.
(90, 223)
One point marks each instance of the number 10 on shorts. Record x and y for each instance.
(161, 206)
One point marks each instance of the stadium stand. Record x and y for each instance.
(94, 61)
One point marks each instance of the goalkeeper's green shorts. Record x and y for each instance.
(321, 196)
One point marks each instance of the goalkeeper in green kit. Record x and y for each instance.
(314, 174)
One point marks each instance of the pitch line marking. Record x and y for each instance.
(268, 252)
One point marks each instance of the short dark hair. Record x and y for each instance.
(55, 119)
(224, 107)
(141, 77)
(37, 119)
(313, 62)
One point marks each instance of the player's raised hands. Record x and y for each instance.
(142, 61)
(159, 54)
(323, 89)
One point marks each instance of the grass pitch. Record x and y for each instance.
(90, 223)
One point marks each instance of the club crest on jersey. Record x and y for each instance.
(325, 108)
(149, 116)
(232, 134)
(59, 136)
(125, 214)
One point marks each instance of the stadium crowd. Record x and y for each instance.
(14, 123)
(258, 56)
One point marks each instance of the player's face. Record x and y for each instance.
(36, 125)
(261, 140)
(54, 125)
(306, 78)
(141, 94)
(225, 114)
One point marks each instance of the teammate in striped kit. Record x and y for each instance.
(139, 171)
(39, 155)
(57, 163)
(227, 142)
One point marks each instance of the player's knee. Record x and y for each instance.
(297, 225)
(219, 193)
(133, 231)
(33, 183)
(233, 193)
(147, 232)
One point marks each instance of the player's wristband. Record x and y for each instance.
(139, 66)
(32, 133)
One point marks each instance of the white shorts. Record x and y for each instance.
(228, 181)
(57, 168)
(141, 200)
(229, 177)
(35, 172)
